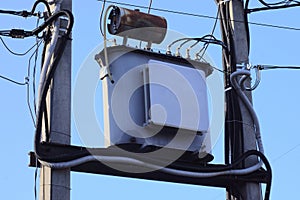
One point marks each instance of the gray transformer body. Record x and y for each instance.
(156, 100)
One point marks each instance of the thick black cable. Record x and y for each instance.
(41, 1)
(22, 13)
(11, 12)
(269, 170)
(232, 131)
(19, 33)
(25, 13)
(54, 17)
(42, 99)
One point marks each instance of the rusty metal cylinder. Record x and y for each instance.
(137, 25)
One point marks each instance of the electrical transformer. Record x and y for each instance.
(156, 101)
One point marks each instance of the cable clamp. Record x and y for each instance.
(104, 72)
(19, 33)
(104, 69)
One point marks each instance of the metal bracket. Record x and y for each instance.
(96, 167)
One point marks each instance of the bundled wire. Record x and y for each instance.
(207, 39)
(44, 85)
(273, 6)
(25, 13)
(203, 50)
(16, 53)
(19, 33)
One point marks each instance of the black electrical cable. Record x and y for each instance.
(233, 131)
(101, 16)
(22, 13)
(276, 3)
(8, 12)
(50, 74)
(13, 81)
(19, 33)
(205, 39)
(247, 24)
(269, 170)
(149, 7)
(225, 60)
(41, 1)
(268, 67)
(54, 17)
(15, 53)
(32, 113)
(212, 33)
(25, 13)
(34, 73)
(272, 8)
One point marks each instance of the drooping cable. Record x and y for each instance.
(205, 39)
(272, 6)
(284, 2)
(101, 16)
(43, 2)
(13, 81)
(16, 53)
(205, 46)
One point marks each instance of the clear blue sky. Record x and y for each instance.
(276, 102)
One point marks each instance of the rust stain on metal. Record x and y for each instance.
(137, 25)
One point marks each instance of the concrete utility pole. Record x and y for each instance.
(55, 184)
(249, 191)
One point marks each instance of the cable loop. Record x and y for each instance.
(257, 80)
